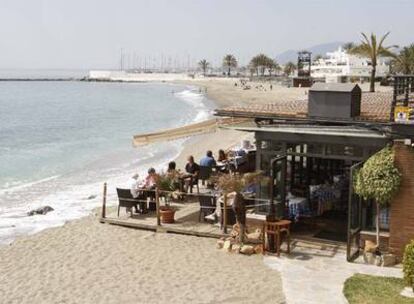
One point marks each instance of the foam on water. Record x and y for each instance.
(196, 100)
(74, 193)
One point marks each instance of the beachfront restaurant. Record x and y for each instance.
(310, 149)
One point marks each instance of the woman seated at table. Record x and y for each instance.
(174, 175)
(222, 157)
(222, 161)
(151, 179)
(192, 169)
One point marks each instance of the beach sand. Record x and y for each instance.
(88, 262)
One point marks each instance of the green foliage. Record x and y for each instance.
(204, 64)
(229, 62)
(372, 49)
(165, 183)
(408, 264)
(289, 68)
(404, 62)
(261, 62)
(378, 179)
(368, 289)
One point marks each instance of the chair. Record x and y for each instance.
(204, 174)
(192, 181)
(207, 205)
(276, 229)
(126, 200)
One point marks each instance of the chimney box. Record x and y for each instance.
(334, 101)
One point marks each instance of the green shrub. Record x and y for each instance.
(408, 264)
(378, 179)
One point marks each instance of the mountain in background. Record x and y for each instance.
(320, 49)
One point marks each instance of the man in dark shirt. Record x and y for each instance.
(192, 169)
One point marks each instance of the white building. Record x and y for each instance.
(339, 64)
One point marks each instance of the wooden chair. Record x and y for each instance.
(207, 205)
(276, 229)
(126, 200)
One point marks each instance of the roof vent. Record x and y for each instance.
(334, 101)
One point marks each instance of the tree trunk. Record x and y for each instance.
(239, 209)
(372, 80)
(228, 73)
(377, 224)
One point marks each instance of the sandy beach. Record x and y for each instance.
(88, 262)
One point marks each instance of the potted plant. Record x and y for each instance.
(166, 185)
(236, 183)
(378, 180)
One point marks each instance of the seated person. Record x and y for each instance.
(208, 160)
(222, 162)
(192, 169)
(151, 179)
(172, 172)
(222, 157)
(134, 185)
(174, 175)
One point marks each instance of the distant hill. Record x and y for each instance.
(320, 49)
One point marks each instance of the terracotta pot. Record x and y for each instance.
(167, 215)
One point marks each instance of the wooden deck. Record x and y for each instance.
(186, 221)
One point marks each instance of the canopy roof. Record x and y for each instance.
(305, 129)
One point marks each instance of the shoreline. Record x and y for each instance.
(85, 196)
(196, 146)
(84, 261)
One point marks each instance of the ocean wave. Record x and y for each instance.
(197, 100)
(21, 185)
(68, 193)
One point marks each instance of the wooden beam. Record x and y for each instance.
(104, 201)
(157, 206)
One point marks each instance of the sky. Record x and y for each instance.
(89, 34)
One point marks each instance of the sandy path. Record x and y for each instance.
(89, 262)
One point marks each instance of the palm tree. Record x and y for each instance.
(348, 46)
(289, 68)
(404, 62)
(373, 50)
(204, 64)
(261, 62)
(272, 65)
(229, 62)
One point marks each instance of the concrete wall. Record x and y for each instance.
(402, 206)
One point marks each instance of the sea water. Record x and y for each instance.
(61, 140)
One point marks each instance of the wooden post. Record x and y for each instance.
(157, 205)
(104, 201)
(225, 213)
